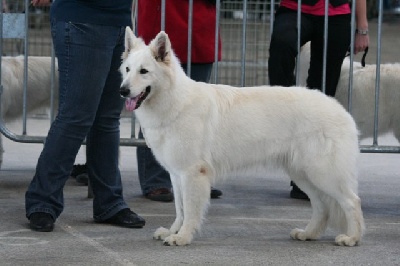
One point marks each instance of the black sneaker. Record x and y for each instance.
(78, 169)
(79, 172)
(297, 193)
(126, 218)
(215, 193)
(41, 222)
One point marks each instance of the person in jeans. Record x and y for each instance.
(154, 180)
(283, 46)
(88, 38)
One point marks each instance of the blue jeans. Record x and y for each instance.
(89, 106)
(151, 174)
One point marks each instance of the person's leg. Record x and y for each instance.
(282, 57)
(338, 45)
(199, 72)
(283, 46)
(77, 109)
(80, 95)
(153, 178)
(102, 147)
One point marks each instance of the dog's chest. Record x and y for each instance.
(155, 139)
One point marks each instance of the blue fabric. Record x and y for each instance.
(100, 12)
(151, 174)
(89, 105)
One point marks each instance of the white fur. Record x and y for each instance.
(363, 97)
(200, 132)
(38, 90)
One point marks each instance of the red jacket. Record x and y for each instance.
(176, 26)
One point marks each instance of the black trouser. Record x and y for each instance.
(283, 48)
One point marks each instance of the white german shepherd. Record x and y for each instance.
(38, 90)
(200, 132)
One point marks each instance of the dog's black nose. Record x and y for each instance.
(124, 91)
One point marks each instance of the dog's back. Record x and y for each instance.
(294, 125)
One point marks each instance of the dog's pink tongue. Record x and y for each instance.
(130, 104)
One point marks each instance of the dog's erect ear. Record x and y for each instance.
(161, 47)
(131, 42)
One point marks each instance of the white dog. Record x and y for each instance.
(38, 89)
(200, 132)
(363, 97)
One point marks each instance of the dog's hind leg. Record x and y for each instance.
(342, 204)
(351, 206)
(196, 187)
(161, 233)
(320, 214)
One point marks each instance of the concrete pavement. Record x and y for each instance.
(249, 225)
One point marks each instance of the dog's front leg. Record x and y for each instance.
(196, 198)
(161, 233)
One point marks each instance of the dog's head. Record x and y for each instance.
(142, 68)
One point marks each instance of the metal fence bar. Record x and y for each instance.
(189, 48)
(298, 41)
(377, 81)
(26, 52)
(216, 54)
(243, 56)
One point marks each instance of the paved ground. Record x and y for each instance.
(249, 225)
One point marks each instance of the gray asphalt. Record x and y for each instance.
(248, 225)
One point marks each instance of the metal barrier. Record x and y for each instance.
(245, 27)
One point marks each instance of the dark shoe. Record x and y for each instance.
(160, 194)
(215, 193)
(126, 218)
(83, 179)
(79, 172)
(297, 193)
(78, 169)
(41, 222)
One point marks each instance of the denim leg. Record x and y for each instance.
(199, 72)
(102, 160)
(151, 174)
(85, 56)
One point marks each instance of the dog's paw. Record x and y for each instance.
(161, 233)
(345, 240)
(176, 240)
(299, 234)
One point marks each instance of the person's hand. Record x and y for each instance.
(361, 42)
(41, 2)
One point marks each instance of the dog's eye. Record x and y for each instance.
(143, 71)
(127, 69)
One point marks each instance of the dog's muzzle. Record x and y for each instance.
(124, 92)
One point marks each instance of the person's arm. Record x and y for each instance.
(362, 37)
(41, 2)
